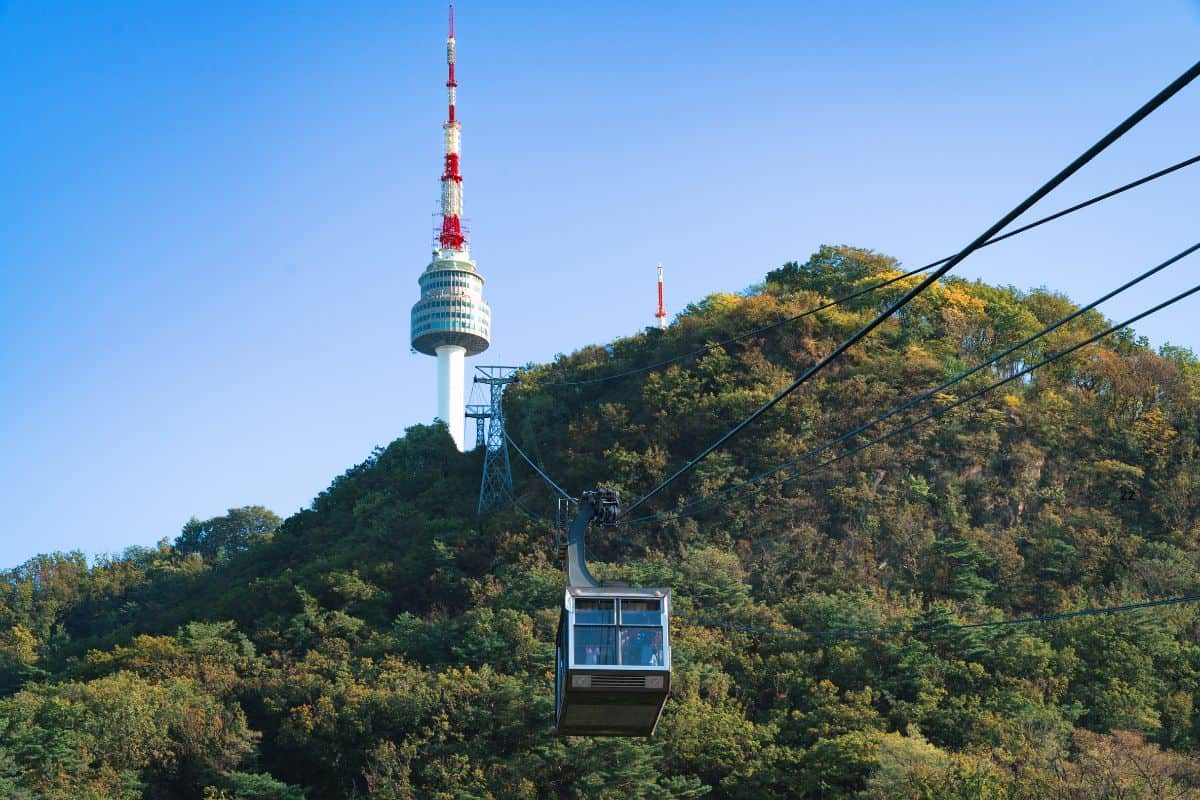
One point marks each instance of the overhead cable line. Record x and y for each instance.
(873, 287)
(944, 409)
(533, 515)
(1113, 135)
(924, 395)
(1020, 374)
(854, 633)
(538, 469)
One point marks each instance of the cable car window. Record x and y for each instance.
(595, 645)
(641, 647)
(594, 612)
(641, 612)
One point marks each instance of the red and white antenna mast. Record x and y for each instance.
(662, 311)
(451, 237)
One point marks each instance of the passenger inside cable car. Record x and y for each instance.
(641, 648)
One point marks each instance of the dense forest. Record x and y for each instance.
(389, 643)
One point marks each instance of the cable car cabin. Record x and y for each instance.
(613, 668)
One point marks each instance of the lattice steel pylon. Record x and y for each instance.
(495, 489)
(478, 413)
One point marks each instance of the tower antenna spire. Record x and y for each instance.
(452, 233)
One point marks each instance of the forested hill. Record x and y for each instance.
(387, 643)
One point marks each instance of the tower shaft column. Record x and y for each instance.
(450, 389)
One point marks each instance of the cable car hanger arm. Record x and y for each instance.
(602, 505)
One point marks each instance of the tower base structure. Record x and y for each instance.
(450, 366)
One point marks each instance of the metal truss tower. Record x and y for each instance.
(495, 490)
(478, 413)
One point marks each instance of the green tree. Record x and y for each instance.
(227, 535)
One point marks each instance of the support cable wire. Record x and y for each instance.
(873, 287)
(538, 469)
(533, 515)
(670, 514)
(1093, 151)
(854, 633)
(979, 393)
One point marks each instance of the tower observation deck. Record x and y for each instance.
(451, 320)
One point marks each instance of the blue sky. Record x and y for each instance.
(213, 215)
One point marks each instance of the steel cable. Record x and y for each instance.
(927, 394)
(1107, 140)
(944, 409)
(538, 469)
(854, 633)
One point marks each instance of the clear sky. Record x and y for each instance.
(213, 215)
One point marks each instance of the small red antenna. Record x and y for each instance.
(452, 20)
(662, 311)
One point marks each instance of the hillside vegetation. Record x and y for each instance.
(387, 643)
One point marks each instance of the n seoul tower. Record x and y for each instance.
(451, 320)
